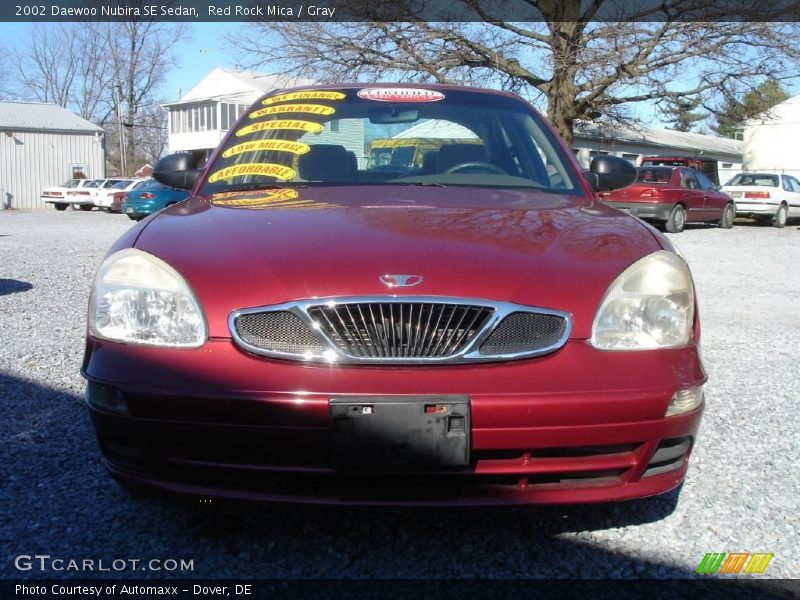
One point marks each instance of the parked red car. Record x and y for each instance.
(117, 198)
(672, 197)
(707, 166)
(477, 330)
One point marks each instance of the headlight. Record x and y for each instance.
(650, 305)
(139, 299)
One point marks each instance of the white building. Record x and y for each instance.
(770, 142)
(634, 143)
(43, 145)
(203, 116)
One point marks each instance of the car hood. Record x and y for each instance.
(269, 247)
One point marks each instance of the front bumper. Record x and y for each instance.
(576, 426)
(644, 210)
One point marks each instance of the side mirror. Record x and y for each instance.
(607, 173)
(177, 170)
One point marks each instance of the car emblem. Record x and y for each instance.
(400, 280)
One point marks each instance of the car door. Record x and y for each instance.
(691, 195)
(793, 196)
(714, 202)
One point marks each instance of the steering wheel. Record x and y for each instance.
(465, 166)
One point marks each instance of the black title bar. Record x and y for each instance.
(401, 10)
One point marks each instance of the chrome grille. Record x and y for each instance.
(400, 329)
(524, 331)
(278, 331)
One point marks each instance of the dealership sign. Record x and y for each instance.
(400, 95)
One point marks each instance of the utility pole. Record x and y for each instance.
(120, 131)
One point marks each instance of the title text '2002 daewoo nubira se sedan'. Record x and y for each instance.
(451, 319)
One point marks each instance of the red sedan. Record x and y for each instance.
(474, 330)
(672, 197)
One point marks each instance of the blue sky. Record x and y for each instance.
(206, 49)
(202, 52)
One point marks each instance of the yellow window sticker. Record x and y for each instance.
(247, 198)
(264, 169)
(267, 145)
(289, 124)
(310, 109)
(307, 95)
(279, 199)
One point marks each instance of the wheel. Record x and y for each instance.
(134, 217)
(728, 215)
(676, 220)
(60, 205)
(779, 220)
(86, 207)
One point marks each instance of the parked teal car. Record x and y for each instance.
(149, 197)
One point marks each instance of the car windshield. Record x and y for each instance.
(654, 175)
(150, 185)
(70, 183)
(755, 179)
(92, 184)
(390, 136)
(119, 185)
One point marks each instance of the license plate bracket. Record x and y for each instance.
(400, 431)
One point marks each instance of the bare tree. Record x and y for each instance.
(68, 65)
(141, 55)
(100, 71)
(46, 67)
(583, 68)
(151, 135)
(5, 56)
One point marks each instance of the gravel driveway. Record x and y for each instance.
(742, 491)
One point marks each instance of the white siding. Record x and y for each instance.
(31, 160)
(350, 135)
(773, 146)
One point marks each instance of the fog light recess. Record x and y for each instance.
(106, 397)
(684, 401)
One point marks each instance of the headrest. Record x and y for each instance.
(327, 162)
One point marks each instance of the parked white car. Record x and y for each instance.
(104, 195)
(765, 195)
(78, 192)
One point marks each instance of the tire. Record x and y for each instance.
(779, 220)
(86, 207)
(676, 220)
(60, 205)
(134, 217)
(728, 215)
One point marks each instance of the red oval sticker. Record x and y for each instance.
(400, 95)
